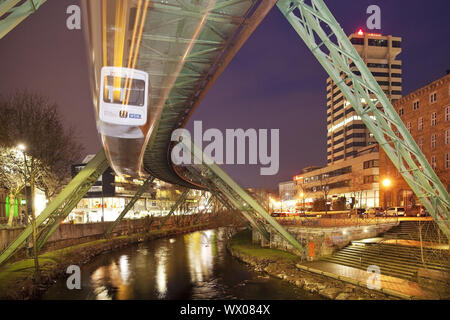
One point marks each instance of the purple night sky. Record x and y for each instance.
(274, 81)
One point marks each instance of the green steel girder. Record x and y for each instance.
(213, 184)
(76, 189)
(179, 202)
(130, 204)
(230, 207)
(56, 218)
(154, 37)
(181, 11)
(323, 35)
(234, 190)
(16, 13)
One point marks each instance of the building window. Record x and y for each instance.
(433, 162)
(433, 97)
(371, 179)
(433, 141)
(416, 105)
(447, 161)
(408, 126)
(433, 119)
(371, 164)
(447, 137)
(401, 112)
(420, 124)
(447, 114)
(420, 143)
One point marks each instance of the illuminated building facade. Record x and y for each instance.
(426, 114)
(356, 179)
(346, 131)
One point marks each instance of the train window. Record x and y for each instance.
(117, 92)
(124, 96)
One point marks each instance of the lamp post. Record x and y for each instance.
(302, 196)
(22, 149)
(386, 184)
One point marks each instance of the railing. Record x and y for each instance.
(334, 221)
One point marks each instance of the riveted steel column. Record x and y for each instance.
(248, 200)
(17, 14)
(72, 193)
(180, 200)
(130, 204)
(318, 28)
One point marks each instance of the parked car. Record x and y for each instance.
(275, 214)
(395, 212)
(278, 214)
(375, 211)
(423, 213)
(358, 212)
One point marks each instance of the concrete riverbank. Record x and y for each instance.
(282, 265)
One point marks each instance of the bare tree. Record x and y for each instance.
(34, 121)
(325, 188)
(50, 147)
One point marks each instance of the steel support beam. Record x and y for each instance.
(17, 14)
(130, 204)
(55, 219)
(225, 196)
(72, 193)
(323, 35)
(180, 200)
(230, 207)
(246, 199)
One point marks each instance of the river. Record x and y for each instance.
(191, 266)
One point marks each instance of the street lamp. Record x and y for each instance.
(302, 196)
(22, 149)
(386, 184)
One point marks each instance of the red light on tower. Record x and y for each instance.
(360, 32)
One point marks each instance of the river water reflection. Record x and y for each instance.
(192, 266)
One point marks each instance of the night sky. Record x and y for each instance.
(273, 82)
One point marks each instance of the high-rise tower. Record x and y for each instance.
(346, 132)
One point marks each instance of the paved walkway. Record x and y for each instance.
(403, 242)
(397, 285)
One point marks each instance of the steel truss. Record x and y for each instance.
(227, 205)
(240, 199)
(326, 39)
(225, 196)
(130, 204)
(179, 202)
(61, 206)
(16, 13)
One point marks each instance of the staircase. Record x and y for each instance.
(409, 230)
(396, 260)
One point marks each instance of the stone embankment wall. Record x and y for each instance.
(284, 266)
(321, 242)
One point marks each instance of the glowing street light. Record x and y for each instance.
(302, 196)
(21, 147)
(387, 182)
